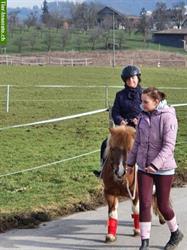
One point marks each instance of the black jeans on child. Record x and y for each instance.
(103, 147)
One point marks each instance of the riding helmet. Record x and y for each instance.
(130, 71)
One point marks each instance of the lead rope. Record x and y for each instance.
(132, 197)
(103, 165)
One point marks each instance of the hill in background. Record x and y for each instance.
(127, 7)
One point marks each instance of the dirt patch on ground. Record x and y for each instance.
(180, 178)
(33, 219)
(101, 58)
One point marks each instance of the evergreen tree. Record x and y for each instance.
(45, 17)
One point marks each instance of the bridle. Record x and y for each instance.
(133, 194)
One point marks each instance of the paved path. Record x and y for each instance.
(86, 231)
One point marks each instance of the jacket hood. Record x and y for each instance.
(161, 108)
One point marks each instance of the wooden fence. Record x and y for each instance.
(20, 60)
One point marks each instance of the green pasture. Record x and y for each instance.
(25, 40)
(58, 187)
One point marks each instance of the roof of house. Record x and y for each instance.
(110, 10)
(172, 32)
(116, 12)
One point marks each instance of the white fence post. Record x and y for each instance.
(8, 98)
(111, 122)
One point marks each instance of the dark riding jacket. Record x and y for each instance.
(127, 105)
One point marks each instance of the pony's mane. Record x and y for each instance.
(121, 137)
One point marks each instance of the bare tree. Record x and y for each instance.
(130, 24)
(92, 15)
(78, 42)
(121, 38)
(84, 16)
(160, 16)
(145, 24)
(64, 38)
(56, 20)
(80, 16)
(13, 21)
(48, 39)
(106, 26)
(178, 14)
(106, 36)
(94, 35)
(31, 20)
(19, 42)
(32, 38)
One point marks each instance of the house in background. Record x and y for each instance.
(107, 15)
(172, 37)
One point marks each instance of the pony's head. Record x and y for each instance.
(120, 142)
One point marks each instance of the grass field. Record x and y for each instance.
(57, 188)
(32, 40)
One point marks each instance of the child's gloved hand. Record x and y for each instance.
(135, 121)
(124, 122)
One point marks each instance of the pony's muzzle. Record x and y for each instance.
(120, 171)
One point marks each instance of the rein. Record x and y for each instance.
(103, 165)
(132, 196)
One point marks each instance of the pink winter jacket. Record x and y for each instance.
(155, 140)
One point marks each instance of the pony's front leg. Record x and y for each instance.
(112, 217)
(135, 216)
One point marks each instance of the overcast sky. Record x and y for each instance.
(30, 3)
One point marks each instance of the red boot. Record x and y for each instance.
(112, 229)
(136, 224)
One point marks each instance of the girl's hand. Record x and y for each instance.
(150, 170)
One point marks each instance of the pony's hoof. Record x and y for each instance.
(136, 232)
(162, 221)
(110, 238)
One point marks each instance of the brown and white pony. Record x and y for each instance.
(116, 182)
